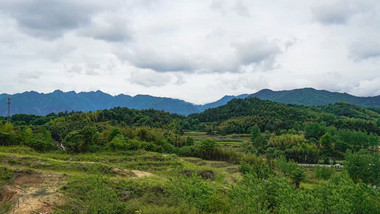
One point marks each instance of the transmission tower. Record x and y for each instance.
(9, 108)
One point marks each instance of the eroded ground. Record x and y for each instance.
(32, 192)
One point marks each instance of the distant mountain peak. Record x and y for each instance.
(265, 90)
(32, 102)
(314, 97)
(57, 91)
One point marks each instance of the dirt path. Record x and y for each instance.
(33, 192)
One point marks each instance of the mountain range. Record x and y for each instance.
(41, 104)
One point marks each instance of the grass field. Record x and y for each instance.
(140, 181)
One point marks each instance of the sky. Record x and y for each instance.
(195, 50)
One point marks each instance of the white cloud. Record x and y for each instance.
(333, 11)
(149, 78)
(366, 87)
(48, 19)
(108, 27)
(194, 50)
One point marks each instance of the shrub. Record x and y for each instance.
(363, 166)
(324, 172)
(258, 170)
(117, 144)
(298, 175)
(206, 148)
(196, 192)
(93, 195)
(286, 167)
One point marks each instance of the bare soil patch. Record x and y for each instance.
(33, 192)
(141, 173)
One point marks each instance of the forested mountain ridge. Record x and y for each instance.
(42, 104)
(58, 101)
(224, 100)
(239, 115)
(184, 155)
(313, 97)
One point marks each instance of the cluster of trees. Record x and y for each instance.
(38, 137)
(281, 136)
(303, 134)
(76, 133)
(273, 186)
(315, 142)
(240, 115)
(349, 110)
(271, 190)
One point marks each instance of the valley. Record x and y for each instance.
(248, 156)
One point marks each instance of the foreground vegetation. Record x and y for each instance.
(239, 158)
(107, 183)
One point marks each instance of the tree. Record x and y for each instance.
(303, 153)
(42, 141)
(115, 132)
(363, 166)
(297, 175)
(359, 140)
(327, 145)
(82, 140)
(315, 130)
(286, 141)
(189, 141)
(256, 137)
(206, 148)
(324, 172)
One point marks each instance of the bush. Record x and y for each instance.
(363, 166)
(258, 170)
(206, 148)
(227, 155)
(117, 144)
(197, 193)
(298, 175)
(93, 195)
(42, 145)
(286, 167)
(5, 176)
(324, 172)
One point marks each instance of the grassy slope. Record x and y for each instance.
(145, 193)
(87, 181)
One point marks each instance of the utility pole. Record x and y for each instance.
(9, 108)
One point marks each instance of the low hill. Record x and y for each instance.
(239, 115)
(350, 110)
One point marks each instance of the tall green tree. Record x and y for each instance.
(363, 166)
(327, 145)
(298, 175)
(256, 137)
(206, 148)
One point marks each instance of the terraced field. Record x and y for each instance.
(34, 182)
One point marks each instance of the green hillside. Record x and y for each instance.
(248, 156)
(239, 115)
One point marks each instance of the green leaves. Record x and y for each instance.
(256, 137)
(324, 172)
(206, 148)
(363, 166)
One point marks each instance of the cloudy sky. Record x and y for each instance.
(195, 50)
